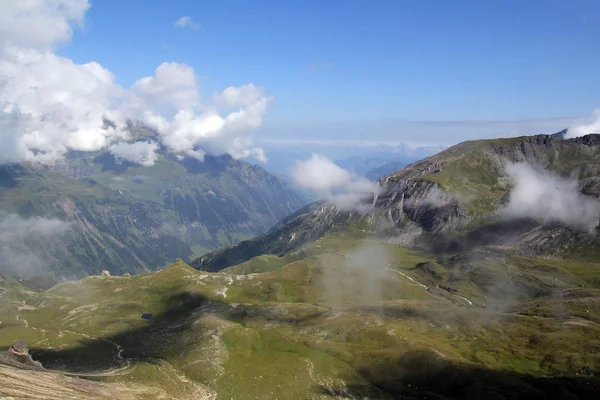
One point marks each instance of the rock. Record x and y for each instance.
(18, 356)
(20, 348)
(126, 275)
(105, 273)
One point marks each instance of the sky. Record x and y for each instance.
(388, 71)
(332, 62)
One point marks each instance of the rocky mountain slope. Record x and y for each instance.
(455, 200)
(94, 212)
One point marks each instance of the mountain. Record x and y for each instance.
(94, 212)
(401, 155)
(379, 172)
(445, 290)
(452, 201)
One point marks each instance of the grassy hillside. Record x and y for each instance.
(348, 317)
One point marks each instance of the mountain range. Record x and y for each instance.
(473, 273)
(95, 211)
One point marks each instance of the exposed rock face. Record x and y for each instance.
(18, 356)
(20, 348)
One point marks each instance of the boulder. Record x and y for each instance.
(20, 348)
(105, 273)
(18, 356)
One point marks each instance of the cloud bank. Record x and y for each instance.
(333, 183)
(585, 126)
(549, 198)
(50, 104)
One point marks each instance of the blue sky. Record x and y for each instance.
(339, 62)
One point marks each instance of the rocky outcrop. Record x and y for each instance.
(18, 356)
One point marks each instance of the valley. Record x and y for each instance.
(93, 212)
(433, 294)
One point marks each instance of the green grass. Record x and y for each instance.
(274, 334)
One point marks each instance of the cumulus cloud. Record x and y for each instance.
(143, 153)
(187, 22)
(585, 126)
(549, 198)
(22, 241)
(40, 24)
(49, 104)
(325, 178)
(238, 96)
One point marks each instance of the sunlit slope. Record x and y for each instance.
(347, 317)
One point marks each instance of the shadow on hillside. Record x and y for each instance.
(146, 343)
(497, 233)
(108, 162)
(160, 335)
(213, 166)
(423, 375)
(7, 176)
(414, 375)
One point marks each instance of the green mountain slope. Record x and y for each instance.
(122, 217)
(447, 202)
(350, 318)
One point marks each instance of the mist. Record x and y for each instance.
(22, 243)
(585, 126)
(549, 198)
(334, 184)
(143, 153)
(358, 279)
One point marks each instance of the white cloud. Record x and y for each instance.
(325, 178)
(549, 198)
(49, 104)
(187, 22)
(238, 96)
(143, 153)
(585, 126)
(39, 24)
(172, 85)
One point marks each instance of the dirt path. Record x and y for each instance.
(427, 288)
